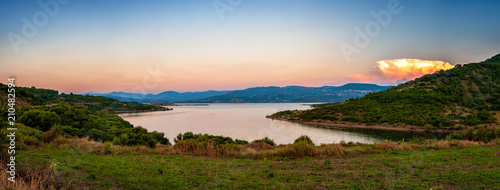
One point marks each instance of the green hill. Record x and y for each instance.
(467, 95)
(42, 113)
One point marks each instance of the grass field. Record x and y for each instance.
(468, 168)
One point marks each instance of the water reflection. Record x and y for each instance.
(248, 122)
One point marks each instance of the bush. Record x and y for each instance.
(240, 142)
(299, 149)
(50, 135)
(265, 140)
(458, 136)
(186, 146)
(484, 134)
(30, 141)
(39, 119)
(303, 138)
(97, 135)
(259, 146)
(217, 140)
(71, 131)
(428, 127)
(160, 137)
(61, 141)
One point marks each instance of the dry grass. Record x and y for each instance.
(37, 178)
(210, 149)
(333, 149)
(261, 146)
(52, 134)
(255, 150)
(300, 149)
(441, 145)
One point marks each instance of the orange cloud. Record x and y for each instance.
(396, 69)
(410, 68)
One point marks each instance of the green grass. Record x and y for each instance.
(470, 168)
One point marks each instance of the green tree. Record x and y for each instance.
(42, 120)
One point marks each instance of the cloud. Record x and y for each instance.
(410, 68)
(397, 69)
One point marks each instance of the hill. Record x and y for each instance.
(275, 94)
(45, 111)
(38, 96)
(467, 95)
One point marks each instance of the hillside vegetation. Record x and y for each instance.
(467, 95)
(44, 111)
(38, 96)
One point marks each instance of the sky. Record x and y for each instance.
(154, 46)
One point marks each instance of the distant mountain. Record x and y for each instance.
(167, 96)
(467, 95)
(255, 95)
(275, 94)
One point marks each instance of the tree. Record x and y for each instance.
(42, 120)
(97, 135)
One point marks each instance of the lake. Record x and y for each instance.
(247, 121)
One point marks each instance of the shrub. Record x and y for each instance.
(259, 146)
(299, 149)
(265, 140)
(303, 138)
(61, 141)
(160, 137)
(185, 146)
(458, 136)
(217, 140)
(42, 120)
(441, 145)
(240, 142)
(68, 130)
(386, 146)
(97, 135)
(30, 141)
(343, 143)
(428, 127)
(50, 135)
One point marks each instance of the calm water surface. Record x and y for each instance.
(247, 121)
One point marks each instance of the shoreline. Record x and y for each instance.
(377, 127)
(136, 111)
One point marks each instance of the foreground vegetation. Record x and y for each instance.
(77, 163)
(467, 95)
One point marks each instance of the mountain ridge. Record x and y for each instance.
(290, 93)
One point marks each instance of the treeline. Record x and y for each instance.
(467, 95)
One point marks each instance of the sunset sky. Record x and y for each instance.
(154, 46)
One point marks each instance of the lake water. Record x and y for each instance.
(247, 121)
